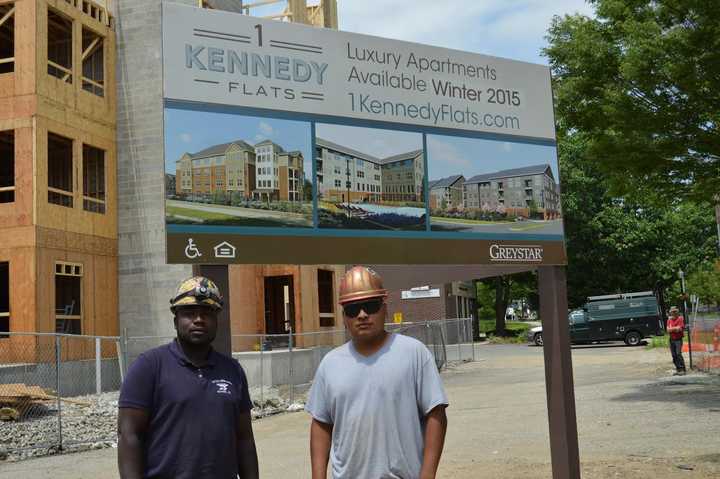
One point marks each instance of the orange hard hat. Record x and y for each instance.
(361, 283)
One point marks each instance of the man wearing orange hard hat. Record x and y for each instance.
(377, 402)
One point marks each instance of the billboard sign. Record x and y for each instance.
(291, 144)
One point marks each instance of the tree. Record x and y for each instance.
(619, 245)
(307, 191)
(705, 283)
(641, 81)
(495, 294)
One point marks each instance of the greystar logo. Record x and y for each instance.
(516, 253)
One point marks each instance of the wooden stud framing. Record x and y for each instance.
(36, 233)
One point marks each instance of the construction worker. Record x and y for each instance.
(676, 329)
(378, 399)
(184, 409)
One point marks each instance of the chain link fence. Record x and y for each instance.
(60, 391)
(704, 344)
(281, 367)
(57, 392)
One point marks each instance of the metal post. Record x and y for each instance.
(685, 316)
(98, 367)
(290, 361)
(457, 338)
(121, 359)
(57, 389)
(262, 375)
(562, 420)
(717, 220)
(427, 335)
(126, 343)
(472, 338)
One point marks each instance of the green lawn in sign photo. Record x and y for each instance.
(238, 212)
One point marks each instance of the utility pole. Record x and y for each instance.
(717, 220)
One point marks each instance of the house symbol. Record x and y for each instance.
(225, 250)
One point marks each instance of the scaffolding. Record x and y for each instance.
(322, 14)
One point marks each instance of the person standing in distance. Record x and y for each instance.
(184, 409)
(377, 402)
(676, 329)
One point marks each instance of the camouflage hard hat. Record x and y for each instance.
(195, 291)
(361, 283)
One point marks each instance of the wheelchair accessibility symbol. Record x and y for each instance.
(191, 251)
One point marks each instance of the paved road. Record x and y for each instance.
(634, 420)
(518, 227)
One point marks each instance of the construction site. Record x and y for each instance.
(98, 201)
(84, 282)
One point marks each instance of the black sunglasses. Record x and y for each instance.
(371, 306)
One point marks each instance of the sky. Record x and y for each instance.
(505, 28)
(372, 141)
(192, 131)
(449, 155)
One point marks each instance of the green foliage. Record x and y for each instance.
(641, 83)
(658, 342)
(219, 197)
(486, 301)
(307, 191)
(705, 283)
(495, 294)
(620, 245)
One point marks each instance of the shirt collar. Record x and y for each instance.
(179, 354)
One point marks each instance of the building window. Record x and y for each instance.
(93, 63)
(326, 298)
(68, 298)
(7, 166)
(59, 50)
(7, 38)
(60, 166)
(4, 299)
(93, 179)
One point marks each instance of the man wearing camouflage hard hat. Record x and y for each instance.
(184, 408)
(378, 399)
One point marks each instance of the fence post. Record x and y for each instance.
(57, 389)
(262, 375)
(290, 361)
(121, 359)
(125, 350)
(472, 337)
(457, 338)
(98, 367)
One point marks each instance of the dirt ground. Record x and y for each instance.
(635, 421)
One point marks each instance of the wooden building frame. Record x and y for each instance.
(40, 100)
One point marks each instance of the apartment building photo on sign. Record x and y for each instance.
(285, 143)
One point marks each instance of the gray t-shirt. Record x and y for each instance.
(377, 406)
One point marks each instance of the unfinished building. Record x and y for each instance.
(58, 203)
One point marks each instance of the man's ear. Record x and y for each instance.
(175, 320)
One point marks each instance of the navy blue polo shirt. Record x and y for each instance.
(193, 412)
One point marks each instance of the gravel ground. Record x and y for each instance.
(94, 426)
(635, 421)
